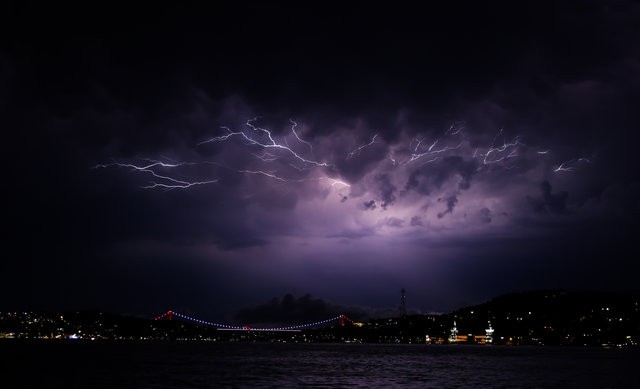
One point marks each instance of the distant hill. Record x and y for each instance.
(557, 317)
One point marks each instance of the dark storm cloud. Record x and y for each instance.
(352, 164)
(485, 215)
(549, 202)
(304, 309)
(451, 202)
(416, 221)
(394, 222)
(386, 190)
(289, 309)
(431, 176)
(371, 204)
(564, 78)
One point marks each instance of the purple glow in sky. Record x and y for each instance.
(207, 159)
(432, 185)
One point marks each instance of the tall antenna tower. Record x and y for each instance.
(403, 305)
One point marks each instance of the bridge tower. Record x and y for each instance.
(170, 313)
(403, 302)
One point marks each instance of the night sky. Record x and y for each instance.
(210, 158)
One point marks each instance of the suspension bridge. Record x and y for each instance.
(170, 315)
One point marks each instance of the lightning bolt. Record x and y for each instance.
(569, 166)
(455, 128)
(335, 182)
(266, 157)
(563, 168)
(165, 181)
(293, 129)
(271, 144)
(261, 172)
(357, 151)
(430, 151)
(393, 160)
(511, 146)
(266, 147)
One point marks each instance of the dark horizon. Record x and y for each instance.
(294, 309)
(537, 318)
(212, 157)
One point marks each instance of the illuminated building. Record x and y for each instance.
(462, 339)
(454, 333)
(489, 332)
(480, 339)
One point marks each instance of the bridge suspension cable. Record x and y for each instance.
(170, 314)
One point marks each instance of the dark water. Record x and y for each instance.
(204, 365)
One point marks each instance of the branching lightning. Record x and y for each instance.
(419, 151)
(294, 161)
(431, 151)
(498, 154)
(165, 181)
(271, 144)
(293, 129)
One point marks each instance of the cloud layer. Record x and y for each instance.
(204, 158)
